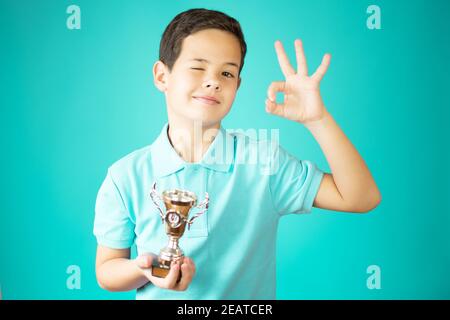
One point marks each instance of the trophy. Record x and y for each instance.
(178, 203)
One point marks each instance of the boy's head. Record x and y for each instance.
(200, 59)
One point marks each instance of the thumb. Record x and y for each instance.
(144, 260)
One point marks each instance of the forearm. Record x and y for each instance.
(350, 173)
(120, 274)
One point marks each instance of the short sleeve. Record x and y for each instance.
(113, 227)
(294, 183)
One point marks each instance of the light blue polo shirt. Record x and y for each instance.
(251, 183)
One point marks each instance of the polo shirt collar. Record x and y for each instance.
(166, 161)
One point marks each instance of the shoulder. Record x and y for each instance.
(131, 164)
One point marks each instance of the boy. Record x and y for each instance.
(232, 245)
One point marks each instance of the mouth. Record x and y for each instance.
(207, 100)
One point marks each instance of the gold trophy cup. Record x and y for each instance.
(178, 204)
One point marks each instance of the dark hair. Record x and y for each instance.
(191, 21)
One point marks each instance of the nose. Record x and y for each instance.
(212, 84)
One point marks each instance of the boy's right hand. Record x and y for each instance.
(187, 267)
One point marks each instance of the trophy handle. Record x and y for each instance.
(155, 197)
(203, 205)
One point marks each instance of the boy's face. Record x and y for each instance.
(204, 79)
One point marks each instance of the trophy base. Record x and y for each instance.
(162, 271)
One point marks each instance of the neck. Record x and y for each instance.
(191, 139)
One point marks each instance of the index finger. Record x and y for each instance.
(169, 282)
(187, 273)
(283, 60)
(173, 275)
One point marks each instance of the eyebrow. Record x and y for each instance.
(204, 60)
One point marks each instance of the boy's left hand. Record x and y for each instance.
(302, 100)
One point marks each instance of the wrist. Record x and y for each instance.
(317, 124)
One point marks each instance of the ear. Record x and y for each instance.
(160, 72)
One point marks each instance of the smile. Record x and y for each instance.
(207, 100)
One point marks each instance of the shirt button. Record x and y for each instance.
(192, 167)
(195, 167)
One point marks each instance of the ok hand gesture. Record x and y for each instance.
(302, 100)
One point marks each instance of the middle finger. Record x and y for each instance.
(283, 60)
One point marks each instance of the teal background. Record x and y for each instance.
(74, 101)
